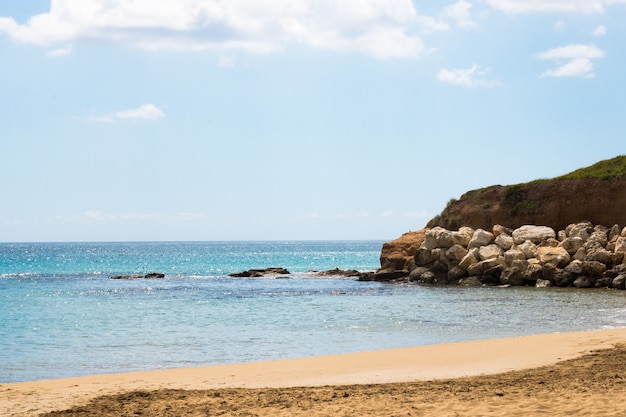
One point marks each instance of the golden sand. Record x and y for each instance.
(581, 373)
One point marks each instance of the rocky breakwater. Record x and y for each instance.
(582, 255)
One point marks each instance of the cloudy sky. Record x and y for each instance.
(292, 119)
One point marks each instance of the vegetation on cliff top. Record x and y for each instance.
(522, 199)
(604, 170)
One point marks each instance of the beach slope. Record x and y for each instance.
(581, 373)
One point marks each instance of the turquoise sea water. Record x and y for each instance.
(61, 315)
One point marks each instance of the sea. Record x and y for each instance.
(61, 314)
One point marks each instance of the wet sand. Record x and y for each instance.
(561, 374)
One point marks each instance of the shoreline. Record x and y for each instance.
(422, 363)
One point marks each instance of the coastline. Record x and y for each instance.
(423, 363)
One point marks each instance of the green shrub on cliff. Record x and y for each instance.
(604, 170)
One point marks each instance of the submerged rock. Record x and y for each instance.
(140, 276)
(257, 273)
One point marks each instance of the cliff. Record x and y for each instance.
(596, 194)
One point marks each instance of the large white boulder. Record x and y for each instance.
(504, 241)
(513, 255)
(464, 235)
(572, 244)
(470, 259)
(528, 248)
(480, 238)
(489, 252)
(456, 253)
(438, 237)
(556, 256)
(533, 233)
(582, 230)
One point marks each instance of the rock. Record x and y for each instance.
(528, 248)
(456, 253)
(338, 272)
(575, 268)
(564, 279)
(619, 282)
(620, 245)
(481, 267)
(150, 275)
(428, 277)
(533, 233)
(385, 275)
(512, 276)
(423, 256)
(440, 258)
(416, 274)
(557, 256)
(604, 282)
(438, 237)
(492, 275)
(593, 268)
(470, 259)
(155, 275)
(533, 273)
(475, 269)
(551, 242)
(580, 254)
(543, 283)
(499, 229)
(489, 252)
(470, 282)
(532, 255)
(397, 253)
(597, 240)
(480, 238)
(441, 279)
(572, 244)
(582, 230)
(585, 282)
(464, 235)
(513, 255)
(551, 273)
(257, 273)
(600, 255)
(504, 241)
(614, 232)
(456, 273)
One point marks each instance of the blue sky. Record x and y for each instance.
(285, 119)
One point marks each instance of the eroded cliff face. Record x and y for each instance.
(555, 203)
(396, 254)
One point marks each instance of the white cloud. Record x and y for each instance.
(552, 6)
(145, 112)
(226, 61)
(55, 53)
(94, 215)
(599, 31)
(559, 25)
(381, 28)
(577, 60)
(99, 216)
(188, 216)
(460, 13)
(473, 76)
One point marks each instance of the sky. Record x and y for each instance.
(133, 120)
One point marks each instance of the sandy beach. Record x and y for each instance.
(561, 374)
